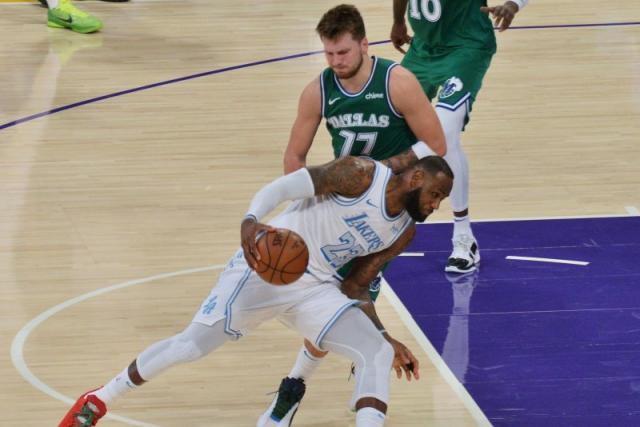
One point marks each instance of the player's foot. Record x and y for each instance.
(465, 256)
(45, 4)
(86, 412)
(66, 15)
(284, 405)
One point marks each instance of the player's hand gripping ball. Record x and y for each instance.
(283, 256)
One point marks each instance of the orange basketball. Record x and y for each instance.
(283, 257)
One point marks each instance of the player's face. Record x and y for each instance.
(345, 55)
(422, 201)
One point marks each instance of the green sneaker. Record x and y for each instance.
(66, 15)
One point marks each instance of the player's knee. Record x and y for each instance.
(313, 350)
(372, 377)
(452, 124)
(378, 362)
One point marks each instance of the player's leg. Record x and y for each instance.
(354, 336)
(293, 386)
(465, 255)
(314, 317)
(239, 302)
(461, 73)
(63, 14)
(196, 341)
(309, 357)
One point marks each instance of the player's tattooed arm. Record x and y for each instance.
(356, 285)
(401, 162)
(347, 176)
(365, 269)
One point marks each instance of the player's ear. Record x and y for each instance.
(364, 44)
(417, 178)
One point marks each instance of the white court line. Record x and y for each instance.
(632, 210)
(534, 218)
(552, 260)
(476, 413)
(17, 345)
(412, 254)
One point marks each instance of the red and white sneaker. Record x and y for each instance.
(86, 412)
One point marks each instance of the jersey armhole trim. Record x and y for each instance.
(406, 225)
(387, 80)
(383, 200)
(322, 100)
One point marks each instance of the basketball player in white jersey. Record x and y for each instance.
(351, 207)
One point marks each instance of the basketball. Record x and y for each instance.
(283, 257)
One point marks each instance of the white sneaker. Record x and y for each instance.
(465, 256)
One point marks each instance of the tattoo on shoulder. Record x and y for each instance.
(401, 162)
(348, 176)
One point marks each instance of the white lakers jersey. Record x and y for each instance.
(338, 229)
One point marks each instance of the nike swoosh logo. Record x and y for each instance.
(69, 19)
(332, 101)
(370, 203)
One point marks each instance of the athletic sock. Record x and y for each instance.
(115, 388)
(369, 417)
(305, 365)
(461, 225)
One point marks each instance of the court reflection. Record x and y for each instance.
(455, 350)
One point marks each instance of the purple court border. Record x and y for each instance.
(253, 64)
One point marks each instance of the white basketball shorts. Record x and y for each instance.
(244, 301)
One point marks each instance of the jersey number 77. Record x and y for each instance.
(369, 139)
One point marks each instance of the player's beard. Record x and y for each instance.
(412, 206)
(353, 72)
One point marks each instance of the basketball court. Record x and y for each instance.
(128, 157)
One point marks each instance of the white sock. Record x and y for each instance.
(306, 364)
(461, 225)
(52, 4)
(115, 388)
(369, 417)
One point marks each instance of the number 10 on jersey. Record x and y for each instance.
(430, 9)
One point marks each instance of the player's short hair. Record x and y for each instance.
(435, 164)
(344, 18)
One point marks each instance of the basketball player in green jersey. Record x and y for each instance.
(372, 107)
(450, 53)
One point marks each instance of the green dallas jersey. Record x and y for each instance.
(444, 24)
(364, 123)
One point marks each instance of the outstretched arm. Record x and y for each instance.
(356, 286)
